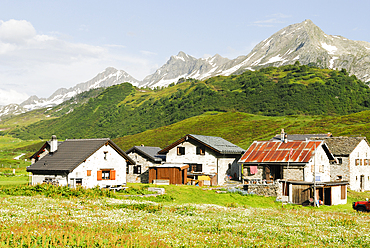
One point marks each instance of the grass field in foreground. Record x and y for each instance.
(107, 222)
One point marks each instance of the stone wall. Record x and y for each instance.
(144, 163)
(273, 189)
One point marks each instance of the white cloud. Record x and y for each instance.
(272, 19)
(34, 64)
(148, 53)
(14, 31)
(11, 96)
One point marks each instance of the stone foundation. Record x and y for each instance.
(264, 189)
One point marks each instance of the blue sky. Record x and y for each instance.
(46, 45)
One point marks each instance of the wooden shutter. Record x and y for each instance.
(112, 175)
(100, 175)
(88, 173)
(343, 192)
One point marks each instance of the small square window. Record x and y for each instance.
(180, 150)
(137, 169)
(200, 151)
(106, 174)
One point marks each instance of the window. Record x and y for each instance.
(340, 160)
(137, 169)
(339, 178)
(366, 162)
(180, 150)
(88, 173)
(127, 169)
(105, 155)
(357, 161)
(321, 168)
(106, 175)
(195, 168)
(200, 150)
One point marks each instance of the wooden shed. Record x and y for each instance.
(175, 173)
(330, 193)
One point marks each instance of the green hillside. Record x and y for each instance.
(242, 129)
(123, 110)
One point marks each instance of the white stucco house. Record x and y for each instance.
(84, 162)
(207, 157)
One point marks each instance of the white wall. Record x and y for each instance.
(336, 195)
(320, 165)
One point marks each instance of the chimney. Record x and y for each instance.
(285, 138)
(53, 144)
(282, 134)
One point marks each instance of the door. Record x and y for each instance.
(327, 196)
(362, 182)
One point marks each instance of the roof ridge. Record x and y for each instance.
(87, 139)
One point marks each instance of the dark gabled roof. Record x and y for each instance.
(302, 136)
(280, 152)
(44, 146)
(171, 165)
(149, 152)
(343, 146)
(72, 153)
(217, 144)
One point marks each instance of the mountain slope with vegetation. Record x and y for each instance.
(242, 128)
(123, 109)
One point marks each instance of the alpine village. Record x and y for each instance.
(270, 149)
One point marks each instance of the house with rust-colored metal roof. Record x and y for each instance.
(298, 167)
(294, 160)
(85, 162)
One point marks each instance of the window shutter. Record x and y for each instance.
(343, 192)
(100, 175)
(113, 175)
(88, 173)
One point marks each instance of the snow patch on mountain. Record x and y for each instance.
(331, 49)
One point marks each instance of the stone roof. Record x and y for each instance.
(149, 152)
(217, 144)
(303, 136)
(342, 145)
(70, 154)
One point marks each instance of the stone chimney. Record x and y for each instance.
(53, 144)
(282, 134)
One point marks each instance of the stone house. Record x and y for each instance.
(207, 157)
(352, 161)
(84, 162)
(144, 157)
(293, 170)
(294, 160)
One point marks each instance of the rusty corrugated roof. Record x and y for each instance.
(280, 152)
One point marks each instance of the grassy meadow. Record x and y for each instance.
(187, 216)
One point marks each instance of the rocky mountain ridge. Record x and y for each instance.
(304, 42)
